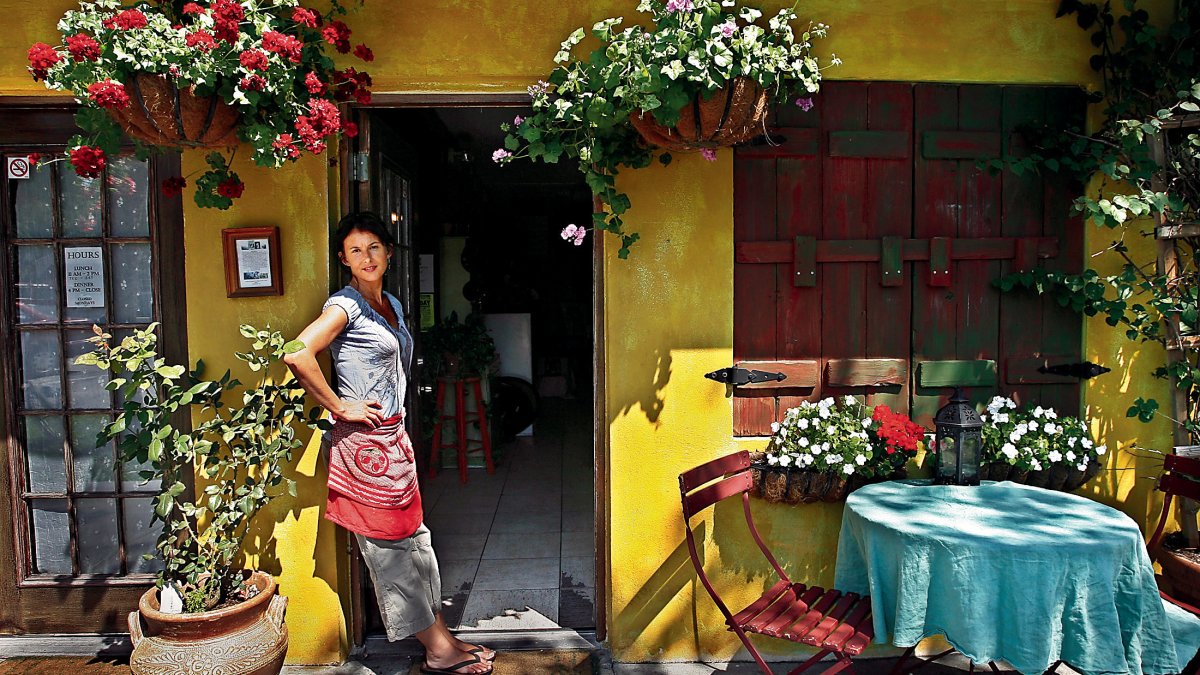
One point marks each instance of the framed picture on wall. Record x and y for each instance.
(252, 265)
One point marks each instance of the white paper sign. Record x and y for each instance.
(254, 263)
(84, 271)
(18, 167)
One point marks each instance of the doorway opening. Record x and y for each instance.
(516, 548)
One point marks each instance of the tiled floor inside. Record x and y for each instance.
(516, 548)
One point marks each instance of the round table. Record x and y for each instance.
(1006, 571)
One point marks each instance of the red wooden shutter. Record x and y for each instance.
(867, 241)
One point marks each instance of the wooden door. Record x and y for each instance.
(866, 242)
(74, 520)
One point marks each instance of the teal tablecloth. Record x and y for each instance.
(1007, 571)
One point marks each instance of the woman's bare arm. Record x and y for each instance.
(316, 338)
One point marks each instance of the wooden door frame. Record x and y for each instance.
(47, 122)
(600, 438)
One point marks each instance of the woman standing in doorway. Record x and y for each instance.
(373, 488)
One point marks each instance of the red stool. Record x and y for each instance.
(461, 417)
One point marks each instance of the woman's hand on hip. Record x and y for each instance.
(365, 412)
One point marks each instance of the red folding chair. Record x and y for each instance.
(834, 622)
(1179, 479)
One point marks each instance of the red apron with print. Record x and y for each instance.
(373, 479)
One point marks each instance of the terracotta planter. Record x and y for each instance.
(247, 639)
(160, 114)
(799, 486)
(733, 115)
(1062, 478)
(1181, 576)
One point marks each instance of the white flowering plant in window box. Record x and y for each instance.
(1037, 446)
(824, 450)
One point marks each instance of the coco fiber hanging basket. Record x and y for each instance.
(734, 114)
(161, 114)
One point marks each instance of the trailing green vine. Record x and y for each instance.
(1146, 158)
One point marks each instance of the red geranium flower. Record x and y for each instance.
(314, 84)
(350, 129)
(362, 96)
(285, 146)
(227, 14)
(127, 20)
(41, 57)
(306, 17)
(254, 59)
(201, 39)
(108, 94)
(231, 187)
(364, 52)
(284, 45)
(338, 35)
(83, 47)
(88, 161)
(34, 158)
(173, 186)
(192, 8)
(253, 83)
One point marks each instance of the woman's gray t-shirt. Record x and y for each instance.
(371, 359)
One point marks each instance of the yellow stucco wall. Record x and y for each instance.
(668, 312)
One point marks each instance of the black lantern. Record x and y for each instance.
(959, 441)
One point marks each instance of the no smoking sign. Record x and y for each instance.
(18, 167)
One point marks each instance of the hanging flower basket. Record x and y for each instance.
(735, 114)
(787, 485)
(162, 114)
(1058, 477)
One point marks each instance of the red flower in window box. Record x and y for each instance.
(83, 47)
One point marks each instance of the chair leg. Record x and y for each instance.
(435, 454)
(460, 417)
(899, 667)
(485, 436)
(750, 648)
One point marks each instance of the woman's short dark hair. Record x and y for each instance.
(365, 221)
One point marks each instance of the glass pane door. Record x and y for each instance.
(81, 255)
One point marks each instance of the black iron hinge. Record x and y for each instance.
(738, 376)
(1083, 371)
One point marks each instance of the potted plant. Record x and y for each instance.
(823, 451)
(206, 74)
(206, 614)
(699, 75)
(1036, 446)
(454, 347)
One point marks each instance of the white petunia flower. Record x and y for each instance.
(1071, 441)
(831, 430)
(806, 459)
(1050, 414)
(1037, 466)
(826, 402)
(848, 469)
(825, 446)
(1085, 442)
(1070, 455)
(803, 442)
(786, 460)
(1101, 449)
(1010, 404)
(824, 413)
(1014, 437)
(1009, 450)
(1002, 418)
(1055, 456)
(850, 400)
(866, 423)
(1037, 412)
(1082, 466)
(774, 427)
(772, 460)
(816, 448)
(1032, 426)
(802, 423)
(860, 459)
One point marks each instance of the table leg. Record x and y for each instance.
(900, 665)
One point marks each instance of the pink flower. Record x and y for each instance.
(805, 103)
(574, 234)
(679, 5)
(500, 155)
(517, 120)
(728, 28)
(709, 154)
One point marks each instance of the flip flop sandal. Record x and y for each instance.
(453, 670)
(478, 651)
